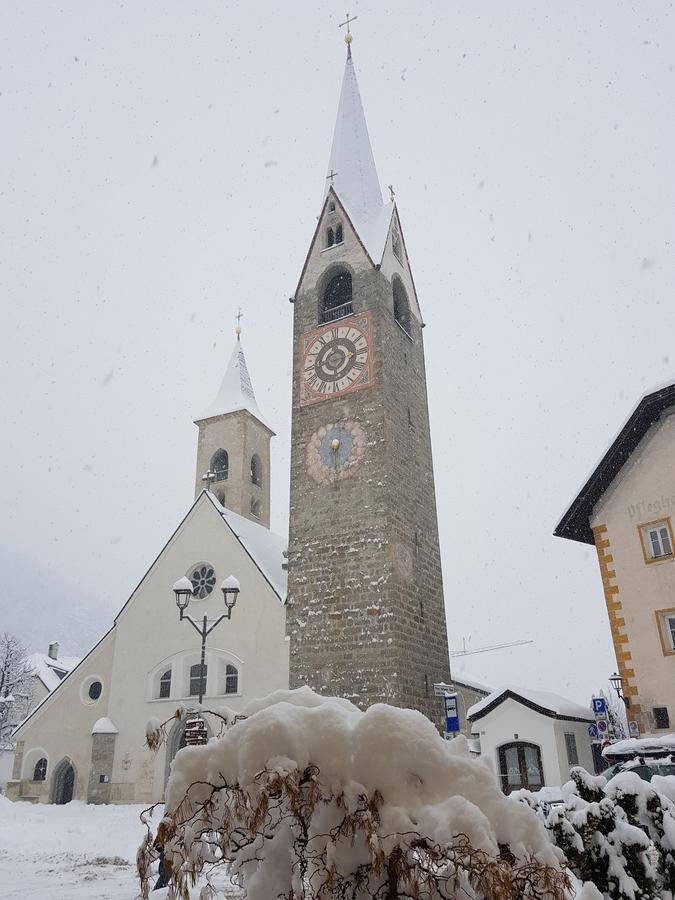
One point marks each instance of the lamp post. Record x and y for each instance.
(183, 592)
(617, 683)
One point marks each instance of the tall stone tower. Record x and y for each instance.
(234, 445)
(365, 612)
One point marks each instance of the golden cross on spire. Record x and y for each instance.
(237, 328)
(348, 35)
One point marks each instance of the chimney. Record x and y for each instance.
(53, 651)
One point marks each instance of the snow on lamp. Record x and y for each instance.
(183, 591)
(230, 588)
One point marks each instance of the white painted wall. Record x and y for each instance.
(513, 721)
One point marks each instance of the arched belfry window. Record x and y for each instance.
(338, 233)
(401, 306)
(396, 244)
(330, 237)
(220, 465)
(336, 301)
(256, 469)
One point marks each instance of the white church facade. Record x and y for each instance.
(86, 739)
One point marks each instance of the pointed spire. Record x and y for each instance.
(351, 168)
(236, 391)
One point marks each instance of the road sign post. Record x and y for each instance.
(451, 702)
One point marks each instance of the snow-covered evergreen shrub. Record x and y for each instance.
(311, 798)
(609, 831)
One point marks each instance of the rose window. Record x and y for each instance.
(203, 580)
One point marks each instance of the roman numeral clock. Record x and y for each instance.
(334, 361)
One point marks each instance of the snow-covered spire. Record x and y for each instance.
(351, 170)
(236, 391)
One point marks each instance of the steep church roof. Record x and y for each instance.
(236, 391)
(351, 169)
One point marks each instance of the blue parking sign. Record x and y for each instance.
(599, 706)
(451, 713)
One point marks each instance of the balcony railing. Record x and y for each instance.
(337, 312)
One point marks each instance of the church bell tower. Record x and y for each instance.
(365, 612)
(233, 448)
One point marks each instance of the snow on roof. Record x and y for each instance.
(265, 548)
(48, 669)
(554, 704)
(351, 157)
(236, 390)
(104, 726)
(665, 743)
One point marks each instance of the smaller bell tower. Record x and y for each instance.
(233, 448)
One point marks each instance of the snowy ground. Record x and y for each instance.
(69, 852)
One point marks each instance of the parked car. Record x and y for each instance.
(644, 766)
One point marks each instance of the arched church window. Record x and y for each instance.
(256, 469)
(336, 301)
(338, 233)
(330, 237)
(255, 507)
(40, 770)
(231, 679)
(203, 578)
(195, 679)
(331, 206)
(220, 464)
(165, 685)
(401, 306)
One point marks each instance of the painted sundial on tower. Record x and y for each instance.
(336, 360)
(334, 451)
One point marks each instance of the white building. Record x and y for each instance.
(532, 738)
(86, 738)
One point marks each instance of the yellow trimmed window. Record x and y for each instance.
(657, 540)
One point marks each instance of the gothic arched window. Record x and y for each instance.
(338, 233)
(195, 679)
(256, 469)
(165, 685)
(330, 238)
(220, 464)
(401, 306)
(336, 301)
(396, 245)
(231, 680)
(40, 770)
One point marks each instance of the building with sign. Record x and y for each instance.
(532, 738)
(626, 509)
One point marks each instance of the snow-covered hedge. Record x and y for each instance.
(311, 798)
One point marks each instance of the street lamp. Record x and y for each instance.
(182, 590)
(617, 683)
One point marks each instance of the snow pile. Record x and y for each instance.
(310, 786)
(651, 746)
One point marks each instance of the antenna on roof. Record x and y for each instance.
(465, 652)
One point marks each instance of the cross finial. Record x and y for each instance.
(237, 327)
(208, 478)
(331, 175)
(392, 192)
(348, 35)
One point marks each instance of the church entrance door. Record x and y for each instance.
(63, 785)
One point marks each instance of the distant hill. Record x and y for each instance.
(39, 606)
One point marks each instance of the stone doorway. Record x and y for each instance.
(63, 782)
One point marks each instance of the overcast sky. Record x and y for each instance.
(163, 163)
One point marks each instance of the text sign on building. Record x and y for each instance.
(451, 712)
(600, 707)
(634, 729)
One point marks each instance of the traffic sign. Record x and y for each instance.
(593, 731)
(451, 713)
(600, 707)
(602, 727)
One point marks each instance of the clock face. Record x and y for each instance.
(334, 451)
(336, 360)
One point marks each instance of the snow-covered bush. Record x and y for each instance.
(311, 798)
(610, 833)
